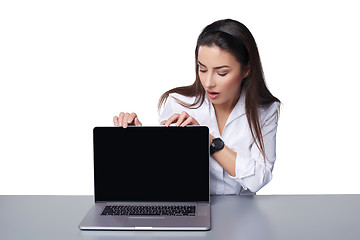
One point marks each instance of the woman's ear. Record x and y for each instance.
(247, 70)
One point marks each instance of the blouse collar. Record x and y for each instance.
(238, 110)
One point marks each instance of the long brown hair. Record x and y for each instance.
(234, 37)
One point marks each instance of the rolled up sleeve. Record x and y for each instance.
(253, 172)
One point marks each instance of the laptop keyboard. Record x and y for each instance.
(149, 210)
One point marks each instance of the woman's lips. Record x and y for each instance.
(213, 94)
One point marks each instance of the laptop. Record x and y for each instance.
(150, 178)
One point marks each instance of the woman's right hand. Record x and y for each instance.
(126, 119)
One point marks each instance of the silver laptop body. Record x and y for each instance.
(150, 178)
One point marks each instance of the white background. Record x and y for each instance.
(68, 66)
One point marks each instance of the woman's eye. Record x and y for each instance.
(222, 74)
(202, 70)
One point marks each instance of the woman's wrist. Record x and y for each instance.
(211, 137)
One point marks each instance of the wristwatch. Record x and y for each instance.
(216, 145)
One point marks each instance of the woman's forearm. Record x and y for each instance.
(226, 158)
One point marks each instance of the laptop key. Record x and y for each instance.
(150, 210)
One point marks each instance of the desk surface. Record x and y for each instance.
(233, 217)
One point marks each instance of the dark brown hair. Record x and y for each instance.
(234, 37)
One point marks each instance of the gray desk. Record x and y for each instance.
(233, 217)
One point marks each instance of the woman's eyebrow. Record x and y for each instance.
(201, 64)
(214, 67)
(223, 66)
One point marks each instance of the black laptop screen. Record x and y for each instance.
(151, 164)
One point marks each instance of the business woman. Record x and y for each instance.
(229, 96)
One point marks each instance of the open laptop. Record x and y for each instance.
(150, 178)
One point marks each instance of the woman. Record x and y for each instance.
(229, 96)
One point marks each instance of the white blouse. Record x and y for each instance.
(251, 171)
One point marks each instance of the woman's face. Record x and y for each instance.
(220, 74)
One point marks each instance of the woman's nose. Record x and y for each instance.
(210, 81)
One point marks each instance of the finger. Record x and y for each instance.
(172, 119)
(131, 118)
(115, 120)
(163, 122)
(137, 122)
(120, 120)
(125, 120)
(184, 115)
(190, 121)
(187, 122)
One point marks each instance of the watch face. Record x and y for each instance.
(218, 143)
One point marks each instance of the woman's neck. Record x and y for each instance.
(226, 107)
(223, 111)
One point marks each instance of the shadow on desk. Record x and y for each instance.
(240, 217)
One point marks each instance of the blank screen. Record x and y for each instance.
(151, 163)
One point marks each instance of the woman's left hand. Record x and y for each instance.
(181, 120)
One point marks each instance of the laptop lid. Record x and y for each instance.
(151, 164)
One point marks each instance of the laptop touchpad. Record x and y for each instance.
(145, 221)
